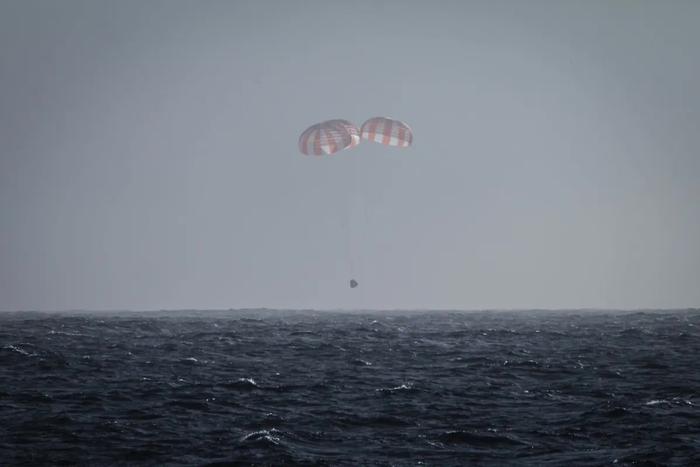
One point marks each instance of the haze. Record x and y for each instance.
(148, 154)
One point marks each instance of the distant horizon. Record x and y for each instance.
(342, 310)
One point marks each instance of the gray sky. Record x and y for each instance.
(148, 154)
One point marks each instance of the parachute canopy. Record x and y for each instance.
(328, 137)
(387, 131)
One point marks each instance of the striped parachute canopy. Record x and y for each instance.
(353, 131)
(387, 131)
(328, 137)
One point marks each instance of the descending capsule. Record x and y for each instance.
(328, 137)
(387, 131)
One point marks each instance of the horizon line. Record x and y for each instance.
(352, 310)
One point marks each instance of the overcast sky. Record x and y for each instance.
(148, 154)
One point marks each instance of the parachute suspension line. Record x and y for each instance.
(354, 227)
(363, 231)
(350, 265)
(360, 234)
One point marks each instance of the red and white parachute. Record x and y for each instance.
(332, 136)
(328, 137)
(387, 131)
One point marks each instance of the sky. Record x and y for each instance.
(149, 160)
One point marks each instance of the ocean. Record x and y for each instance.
(266, 387)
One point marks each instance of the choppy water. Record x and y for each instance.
(312, 388)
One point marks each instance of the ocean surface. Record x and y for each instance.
(265, 387)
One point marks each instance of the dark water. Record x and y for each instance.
(273, 388)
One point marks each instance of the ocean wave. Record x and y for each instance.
(408, 388)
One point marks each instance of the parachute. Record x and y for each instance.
(328, 137)
(332, 136)
(352, 130)
(387, 131)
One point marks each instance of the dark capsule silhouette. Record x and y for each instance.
(353, 283)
